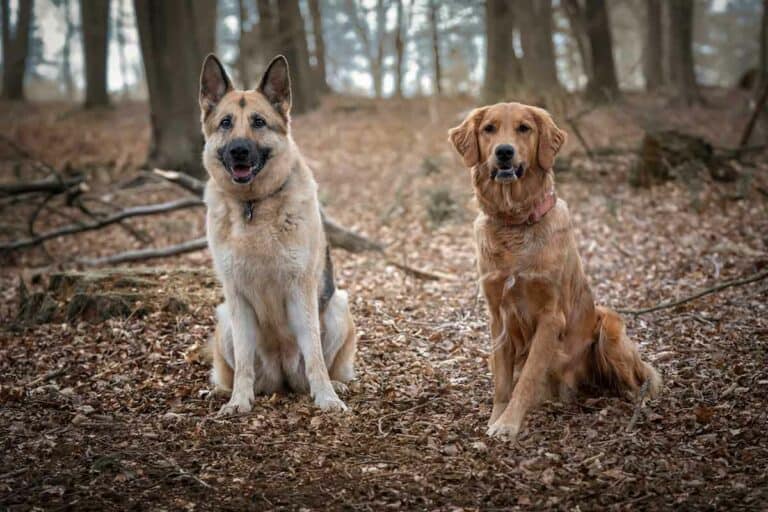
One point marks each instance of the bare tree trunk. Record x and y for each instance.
(764, 46)
(399, 49)
(681, 51)
(15, 49)
(267, 29)
(242, 54)
(175, 36)
(502, 67)
(654, 46)
(66, 52)
(377, 67)
(578, 23)
(535, 17)
(120, 24)
(434, 27)
(293, 44)
(321, 77)
(94, 15)
(603, 85)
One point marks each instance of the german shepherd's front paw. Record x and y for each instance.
(503, 431)
(236, 406)
(330, 402)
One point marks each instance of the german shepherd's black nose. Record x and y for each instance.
(240, 151)
(505, 152)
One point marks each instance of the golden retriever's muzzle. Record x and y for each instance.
(506, 167)
(243, 159)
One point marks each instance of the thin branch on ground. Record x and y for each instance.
(49, 186)
(707, 291)
(197, 244)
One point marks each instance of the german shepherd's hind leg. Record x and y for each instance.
(220, 348)
(616, 362)
(339, 341)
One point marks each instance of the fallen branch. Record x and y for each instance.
(183, 180)
(71, 229)
(707, 291)
(197, 244)
(419, 273)
(48, 186)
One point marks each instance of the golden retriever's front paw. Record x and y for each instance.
(503, 431)
(330, 402)
(235, 407)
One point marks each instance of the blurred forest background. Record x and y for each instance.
(105, 402)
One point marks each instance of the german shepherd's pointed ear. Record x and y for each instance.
(214, 83)
(551, 138)
(464, 137)
(276, 85)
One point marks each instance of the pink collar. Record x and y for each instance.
(541, 207)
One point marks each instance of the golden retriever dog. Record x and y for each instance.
(549, 339)
(283, 323)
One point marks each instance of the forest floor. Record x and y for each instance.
(119, 415)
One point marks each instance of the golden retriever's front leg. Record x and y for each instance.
(304, 321)
(533, 378)
(502, 360)
(245, 337)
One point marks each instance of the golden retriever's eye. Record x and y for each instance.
(226, 123)
(258, 122)
(523, 128)
(489, 128)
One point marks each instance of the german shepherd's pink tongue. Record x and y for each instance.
(241, 171)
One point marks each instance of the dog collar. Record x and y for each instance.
(541, 207)
(249, 205)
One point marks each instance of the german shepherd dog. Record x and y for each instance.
(549, 338)
(283, 323)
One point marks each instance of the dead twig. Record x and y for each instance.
(48, 186)
(197, 244)
(71, 229)
(707, 291)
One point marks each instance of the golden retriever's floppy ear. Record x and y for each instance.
(464, 137)
(276, 85)
(214, 83)
(551, 138)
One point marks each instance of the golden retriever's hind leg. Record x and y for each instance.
(616, 362)
(222, 373)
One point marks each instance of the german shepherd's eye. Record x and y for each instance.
(523, 128)
(258, 122)
(226, 123)
(489, 128)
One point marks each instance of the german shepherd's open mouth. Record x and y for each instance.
(243, 160)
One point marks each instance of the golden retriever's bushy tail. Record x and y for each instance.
(615, 361)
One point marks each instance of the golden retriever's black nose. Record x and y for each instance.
(505, 152)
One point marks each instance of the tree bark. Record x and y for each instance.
(654, 46)
(603, 85)
(434, 29)
(400, 49)
(502, 67)
(538, 48)
(15, 48)
(95, 22)
(578, 23)
(66, 52)
(321, 77)
(293, 44)
(267, 29)
(175, 36)
(683, 75)
(377, 67)
(242, 54)
(764, 47)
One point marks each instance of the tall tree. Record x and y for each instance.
(316, 13)
(175, 36)
(535, 22)
(267, 29)
(65, 71)
(242, 55)
(94, 15)
(603, 84)
(683, 74)
(434, 24)
(502, 66)
(653, 66)
(578, 24)
(764, 46)
(292, 42)
(370, 42)
(15, 48)
(401, 33)
(378, 60)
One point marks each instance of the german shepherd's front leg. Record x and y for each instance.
(529, 388)
(245, 337)
(304, 321)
